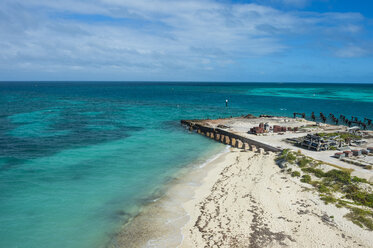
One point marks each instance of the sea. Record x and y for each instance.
(80, 159)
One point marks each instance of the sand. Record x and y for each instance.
(241, 126)
(241, 199)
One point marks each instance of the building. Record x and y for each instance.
(257, 130)
(348, 154)
(314, 142)
(356, 152)
(339, 155)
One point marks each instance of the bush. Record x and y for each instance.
(295, 174)
(303, 162)
(283, 155)
(323, 189)
(290, 157)
(361, 217)
(343, 136)
(339, 176)
(340, 204)
(328, 199)
(361, 197)
(317, 172)
(306, 179)
(359, 180)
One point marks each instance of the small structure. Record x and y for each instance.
(257, 130)
(339, 155)
(348, 154)
(353, 129)
(356, 152)
(278, 129)
(314, 142)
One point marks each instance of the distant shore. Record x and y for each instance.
(241, 199)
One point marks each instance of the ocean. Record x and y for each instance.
(79, 159)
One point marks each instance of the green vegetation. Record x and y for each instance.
(287, 156)
(306, 179)
(339, 176)
(343, 136)
(336, 180)
(361, 218)
(359, 180)
(317, 172)
(303, 162)
(328, 199)
(295, 174)
(354, 193)
(323, 189)
(341, 203)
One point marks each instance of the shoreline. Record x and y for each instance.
(251, 202)
(264, 208)
(156, 220)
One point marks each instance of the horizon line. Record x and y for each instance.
(173, 81)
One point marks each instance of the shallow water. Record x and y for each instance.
(78, 159)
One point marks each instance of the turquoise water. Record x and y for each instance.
(79, 159)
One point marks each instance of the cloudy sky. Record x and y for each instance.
(187, 40)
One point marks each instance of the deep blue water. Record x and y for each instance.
(79, 158)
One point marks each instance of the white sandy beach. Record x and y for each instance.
(242, 199)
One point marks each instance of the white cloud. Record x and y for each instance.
(297, 3)
(351, 51)
(153, 36)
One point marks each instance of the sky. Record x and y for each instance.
(187, 40)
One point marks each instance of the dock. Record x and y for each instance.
(228, 137)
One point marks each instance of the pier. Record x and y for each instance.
(228, 137)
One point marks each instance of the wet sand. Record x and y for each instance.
(241, 199)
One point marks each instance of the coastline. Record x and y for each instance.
(264, 208)
(250, 203)
(159, 223)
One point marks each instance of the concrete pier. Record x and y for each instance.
(227, 140)
(233, 142)
(228, 137)
(239, 144)
(212, 135)
(253, 148)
